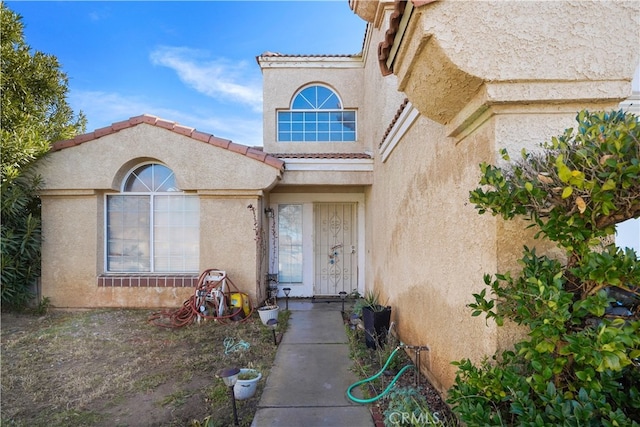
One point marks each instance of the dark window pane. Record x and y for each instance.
(323, 136)
(349, 126)
(349, 136)
(297, 136)
(296, 117)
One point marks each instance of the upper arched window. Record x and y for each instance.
(152, 177)
(152, 226)
(316, 115)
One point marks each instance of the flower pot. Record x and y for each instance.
(376, 325)
(244, 389)
(268, 312)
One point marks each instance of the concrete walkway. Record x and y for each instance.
(310, 376)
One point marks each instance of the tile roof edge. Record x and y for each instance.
(287, 55)
(189, 132)
(327, 156)
(403, 105)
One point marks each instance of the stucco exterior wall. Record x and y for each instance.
(281, 83)
(77, 179)
(481, 80)
(229, 241)
(104, 162)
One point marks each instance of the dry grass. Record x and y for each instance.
(113, 368)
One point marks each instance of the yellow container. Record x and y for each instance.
(240, 300)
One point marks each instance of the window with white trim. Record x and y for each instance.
(290, 243)
(152, 226)
(316, 115)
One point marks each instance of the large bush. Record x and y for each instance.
(579, 365)
(34, 113)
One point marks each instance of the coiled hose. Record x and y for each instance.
(188, 313)
(366, 380)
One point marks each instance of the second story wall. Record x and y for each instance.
(284, 76)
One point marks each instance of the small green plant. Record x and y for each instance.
(408, 407)
(175, 399)
(370, 300)
(248, 375)
(43, 306)
(580, 363)
(206, 422)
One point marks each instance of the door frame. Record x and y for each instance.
(307, 200)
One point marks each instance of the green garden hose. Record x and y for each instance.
(386, 390)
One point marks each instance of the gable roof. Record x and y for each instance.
(254, 153)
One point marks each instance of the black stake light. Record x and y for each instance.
(286, 294)
(343, 296)
(273, 324)
(230, 377)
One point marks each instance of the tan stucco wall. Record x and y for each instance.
(428, 248)
(480, 78)
(76, 180)
(282, 82)
(102, 163)
(520, 50)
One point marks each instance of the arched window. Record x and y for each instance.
(316, 115)
(151, 226)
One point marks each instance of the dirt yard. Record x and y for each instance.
(114, 368)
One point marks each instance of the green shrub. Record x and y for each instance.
(579, 365)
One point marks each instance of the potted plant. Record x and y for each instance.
(376, 318)
(247, 383)
(268, 312)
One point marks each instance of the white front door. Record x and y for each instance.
(318, 243)
(335, 259)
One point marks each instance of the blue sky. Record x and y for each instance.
(190, 62)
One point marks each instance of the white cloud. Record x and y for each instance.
(103, 109)
(220, 79)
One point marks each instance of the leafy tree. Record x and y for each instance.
(580, 362)
(34, 113)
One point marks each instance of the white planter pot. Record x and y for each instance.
(244, 389)
(267, 313)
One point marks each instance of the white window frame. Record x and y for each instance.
(305, 111)
(152, 241)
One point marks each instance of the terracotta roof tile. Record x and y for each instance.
(121, 125)
(165, 124)
(336, 156)
(81, 138)
(256, 154)
(284, 55)
(201, 136)
(384, 47)
(99, 133)
(208, 138)
(394, 120)
(183, 130)
(219, 142)
(237, 148)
